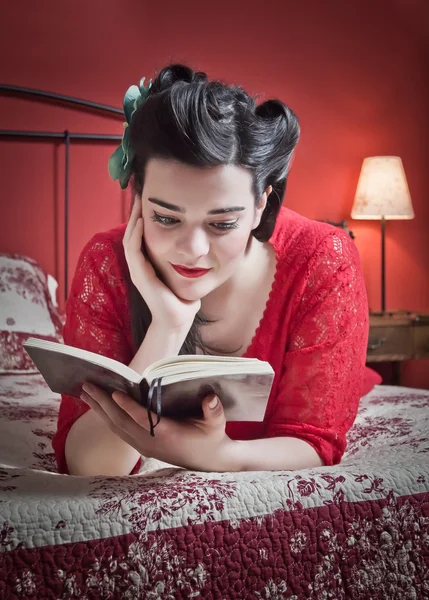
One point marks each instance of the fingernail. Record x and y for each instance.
(84, 397)
(213, 403)
(87, 387)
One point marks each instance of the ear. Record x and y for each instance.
(261, 206)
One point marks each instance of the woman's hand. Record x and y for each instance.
(199, 444)
(167, 309)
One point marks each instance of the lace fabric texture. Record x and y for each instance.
(323, 367)
(314, 332)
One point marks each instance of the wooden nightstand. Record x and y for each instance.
(397, 336)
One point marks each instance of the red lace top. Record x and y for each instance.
(313, 332)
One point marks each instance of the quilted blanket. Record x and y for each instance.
(358, 530)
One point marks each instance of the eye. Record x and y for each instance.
(166, 221)
(225, 225)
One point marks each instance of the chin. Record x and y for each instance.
(191, 290)
(191, 293)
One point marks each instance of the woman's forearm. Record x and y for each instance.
(91, 448)
(157, 344)
(273, 454)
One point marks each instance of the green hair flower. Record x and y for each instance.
(120, 160)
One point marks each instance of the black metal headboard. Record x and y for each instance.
(63, 136)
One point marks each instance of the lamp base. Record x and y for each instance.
(383, 265)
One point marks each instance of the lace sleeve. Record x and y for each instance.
(95, 314)
(97, 308)
(321, 383)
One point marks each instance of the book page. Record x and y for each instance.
(182, 366)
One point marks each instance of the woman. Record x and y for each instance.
(210, 262)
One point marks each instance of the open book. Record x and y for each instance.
(172, 387)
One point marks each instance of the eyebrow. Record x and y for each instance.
(216, 211)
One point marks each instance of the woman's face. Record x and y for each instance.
(197, 218)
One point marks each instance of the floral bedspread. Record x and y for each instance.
(359, 530)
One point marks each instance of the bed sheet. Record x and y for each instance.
(358, 530)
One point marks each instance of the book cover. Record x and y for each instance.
(244, 396)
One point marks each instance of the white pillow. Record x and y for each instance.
(52, 287)
(26, 309)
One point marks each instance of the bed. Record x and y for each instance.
(359, 530)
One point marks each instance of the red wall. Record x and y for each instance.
(355, 73)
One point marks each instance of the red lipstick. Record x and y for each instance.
(187, 272)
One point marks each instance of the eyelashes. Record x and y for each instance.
(220, 226)
(225, 225)
(168, 221)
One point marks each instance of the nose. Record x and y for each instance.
(193, 244)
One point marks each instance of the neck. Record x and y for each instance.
(245, 276)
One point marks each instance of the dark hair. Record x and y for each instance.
(205, 123)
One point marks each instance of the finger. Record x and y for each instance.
(97, 409)
(109, 408)
(135, 240)
(137, 412)
(213, 410)
(136, 212)
(103, 415)
(137, 262)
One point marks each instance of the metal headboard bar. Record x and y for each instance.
(66, 212)
(60, 97)
(65, 137)
(58, 134)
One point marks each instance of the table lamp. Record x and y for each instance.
(382, 193)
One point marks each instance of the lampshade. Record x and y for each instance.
(382, 190)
